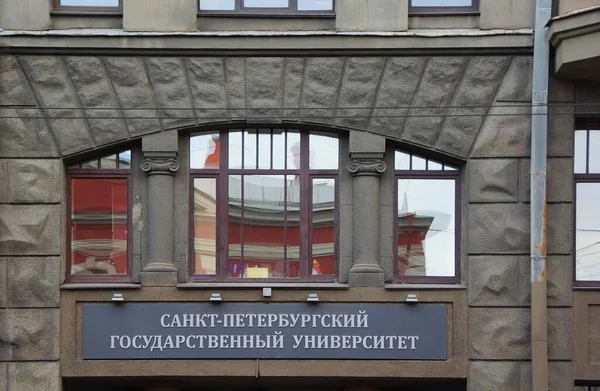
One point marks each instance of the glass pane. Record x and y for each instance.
(441, 3)
(278, 150)
(74, 166)
(580, 151)
(293, 226)
(264, 226)
(125, 160)
(433, 166)
(587, 228)
(418, 163)
(315, 5)
(250, 150)
(324, 152)
(266, 3)
(99, 210)
(323, 227)
(204, 151)
(217, 5)
(234, 220)
(594, 157)
(264, 149)
(426, 227)
(205, 226)
(235, 150)
(293, 151)
(89, 3)
(108, 162)
(449, 168)
(90, 164)
(401, 161)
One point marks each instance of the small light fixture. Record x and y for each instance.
(312, 298)
(215, 297)
(267, 294)
(117, 298)
(411, 298)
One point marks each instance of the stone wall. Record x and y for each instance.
(471, 109)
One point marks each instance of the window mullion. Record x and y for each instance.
(305, 200)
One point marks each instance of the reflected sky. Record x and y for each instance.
(90, 3)
(441, 3)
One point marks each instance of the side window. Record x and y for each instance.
(443, 6)
(99, 219)
(298, 7)
(427, 221)
(587, 210)
(89, 5)
(264, 205)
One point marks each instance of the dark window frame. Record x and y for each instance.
(454, 174)
(76, 10)
(290, 11)
(473, 9)
(93, 173)
(306, 176)
(586, 177)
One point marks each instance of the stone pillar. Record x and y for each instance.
(160, 163)
(366, 166)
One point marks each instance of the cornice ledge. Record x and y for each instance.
(574, 24)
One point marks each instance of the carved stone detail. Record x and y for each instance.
(164, 166)
(373, 167)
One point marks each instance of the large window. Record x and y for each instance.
(443, 6)
(99, 219)
(587, 206)
(264, 205)
(292, 7)
(427, 222)
(89, 5)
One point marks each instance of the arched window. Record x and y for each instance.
(99, 219)
(427, 221)
(264, 204)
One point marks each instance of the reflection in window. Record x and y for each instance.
(287, 6)
(274, 201)
(443, 6)
(99, 216)
(426, 219)
(441, 3)
(587, 213)
(89, 3)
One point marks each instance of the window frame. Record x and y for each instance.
(71, 9)
(222, 173)
(290, 11)
(92, 173)
(577, 179)
(454, 174)
(473, 9)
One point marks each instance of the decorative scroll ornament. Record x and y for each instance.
(165, 166)
(366, 167)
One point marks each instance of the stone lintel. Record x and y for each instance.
(364, 144)
(161, 142)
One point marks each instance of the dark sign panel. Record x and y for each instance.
(264, 331)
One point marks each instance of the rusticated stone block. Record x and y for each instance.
(560, 333)
(13, 84)
(34, 282)
(321, 81)
(3, 285)
(560, 279)
(516, 86)
(499, 333)
(398, 85)
(264, 82)
(494, 281)
(479, 83)
(28, 181)
(560, 234)
(207, 81)
(50, 81)
(560, 376)
(30, 229)
(292, 86)
(235, 70)
(498, 228)
(438, 83)
(357, 91)
(171, 90)
(33, 376)
(27, 135)
(493, 180)
(561, 122)
(128, 75)
(558, 185)
(505, 133)
(494, 376)
(93, 88)
(3, 376)
(29, 334)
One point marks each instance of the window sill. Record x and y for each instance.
(423, 287)
(85, 13)
(260, 285)
(98, 285)
(265, 15)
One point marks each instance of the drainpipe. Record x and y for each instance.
(539, 139)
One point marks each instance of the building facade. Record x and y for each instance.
(302, 194)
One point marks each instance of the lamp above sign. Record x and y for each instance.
(264, 331)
